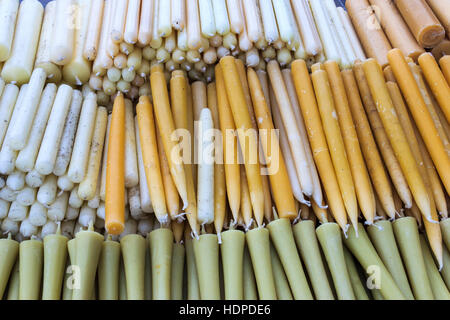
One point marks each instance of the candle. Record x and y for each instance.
(281, 283)
(62, 48)
(115, 177)
(368, 146)
(440, 291)
(68, 137)
(176, 291)
(91, 44)
(31, 256)
(14, 279)
(382, 237)
(407, 237)
(445, 67)
(396, 29)
(55, 254)
(357, 282)
(361, 247)
(306, 239)
(422, 22)
(283, 240)
(9, 250)
(161, 246)
(149, 149)
(48, 150)
(375, 43)
(166, 126)
(23, 119)
(133, 253)
(249, 284)
(7, 104)
(108, 270)
(44, 48)
(193, 290)
(381, 138)
(206, 251)
(259, 247)
(436, 81)
(78, 68)
(9, 9)
(232, 250)
(330, 240)
(19, 65)
(87, 251)
(361, 180)
(317, 138)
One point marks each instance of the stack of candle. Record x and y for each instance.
(411, 26)
(76, 168)
(120, 40)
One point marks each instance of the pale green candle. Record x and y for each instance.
(283, 241)
(329, 235)
(361, 247)
(161, 245)
(31, 259)
(438, 286)
(250, 291)
(206, 252)
(357, 284)
(281, 282)
(108, 270)
(258, 243)
(177, 272)
(55, 255)
(232, 251)
(306, 239)
(9, 250)
(407, 236)
(382, 236)
(133, 255)
(193, 290)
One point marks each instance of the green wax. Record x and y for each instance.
(357, 285)
(249, 283)
(438, 286)
(407, 236)
(148, 275)
(445, 227)
(232, 250)
(161, 244)
(122, 282)
(283, 240)
(382, 236)
(206, 251)
(55, 255)
(133, 253)
(306, 239)
(445, 272)
(9, 250)
(258, 243)
(31, 258)
(88, 249)
(329, 235)
(14, 279)
(108, 271)
(361, 247)
(177, 272)
(281, 282)
(193, 290)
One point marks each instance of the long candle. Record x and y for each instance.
(422, 22)
(161, 246)
(31, 257)
(115, 177)
(55, 255)
(19, 65)
(108, 270)
(133, 253)
(421, 115)
(9, 250)
(206, 251)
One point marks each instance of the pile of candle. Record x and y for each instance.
(410, 25)
(248, 146)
